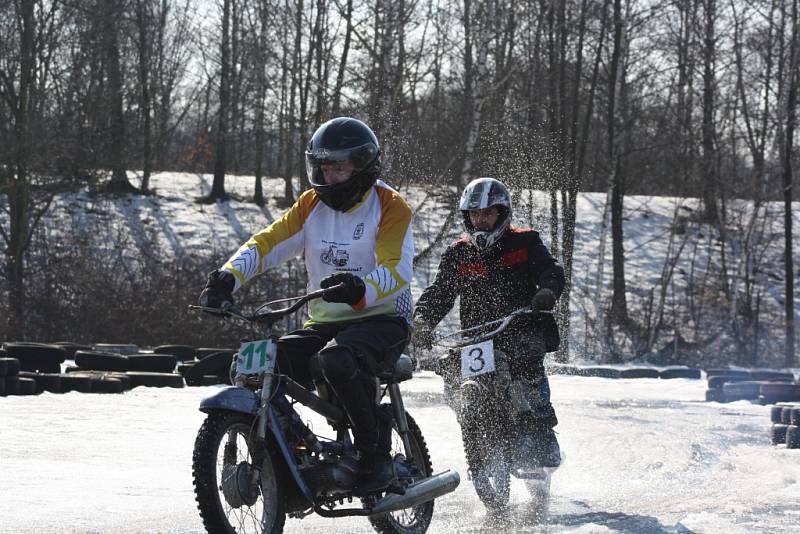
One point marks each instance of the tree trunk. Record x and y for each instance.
(619, 307)
(337, 91)
(143, 20)
(112, 11)
(218, 187)
(710, 181)
(791, 114)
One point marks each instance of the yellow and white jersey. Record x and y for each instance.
(373, 240)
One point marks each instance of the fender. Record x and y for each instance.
(231, 398)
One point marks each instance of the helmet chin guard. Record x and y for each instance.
(483, 193)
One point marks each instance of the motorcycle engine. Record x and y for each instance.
(331, 476)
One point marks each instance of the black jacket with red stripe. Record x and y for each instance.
(493, 283)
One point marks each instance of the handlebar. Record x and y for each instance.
(503, 322)
(269, 315)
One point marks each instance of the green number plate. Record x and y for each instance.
(256, 357)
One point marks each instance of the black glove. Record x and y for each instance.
(422, 335)
(352, 291)
(218, 292)
(544, 299)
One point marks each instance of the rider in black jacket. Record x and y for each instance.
(496, 269)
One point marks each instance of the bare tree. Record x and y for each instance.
(223, 117)
(111, 13)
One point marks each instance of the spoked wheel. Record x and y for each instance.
(231, 496)
(490, 467)
(413, 520)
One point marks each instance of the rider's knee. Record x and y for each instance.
(338, 364)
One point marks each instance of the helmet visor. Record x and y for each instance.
(360, 156)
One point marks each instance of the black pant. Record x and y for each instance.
(350, 355)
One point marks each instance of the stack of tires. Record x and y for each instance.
(786, 425)
(139, 368)
(39, 367)
(208, 366)
(11, 383)
(766, 387)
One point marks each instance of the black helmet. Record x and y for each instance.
(482, 193)
(343, 139)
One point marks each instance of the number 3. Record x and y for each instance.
(478, 358)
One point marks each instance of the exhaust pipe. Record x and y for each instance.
(418, 493)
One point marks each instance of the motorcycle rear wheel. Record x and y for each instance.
(417, 519)
(224, 448)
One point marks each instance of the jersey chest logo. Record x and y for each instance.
(359, 231)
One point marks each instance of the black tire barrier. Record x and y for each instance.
(181, 352)
(778, 433)
(107, 385)
(75, 382)
(772, 376)
(12, 385)
(717, 381)
(158, 380)
(775, 414)
(72, 348)
(781, 391)
(151, 363)
(101, 361)
(217, 364)
(37, 356)
(123, 378)
(748, 390)
(9, 366)
(786, 415)
(204, 352)
(794, 416)
(715, 395)
(184, 367)
(730, 372)
(27, 386)
(680, 372)
(639, 372)
(793, 437)
(2, 386)
(44, 382)
(116, 348)
(601, 372)
(207, 380)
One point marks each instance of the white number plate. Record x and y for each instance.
(256, 357)
(477, 359)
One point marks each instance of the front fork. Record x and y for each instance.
(400, 416)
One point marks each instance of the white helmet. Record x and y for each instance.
(482, 193)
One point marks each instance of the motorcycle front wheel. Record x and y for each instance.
(417, 519)
(222, 468)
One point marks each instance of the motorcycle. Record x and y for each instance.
(489, 404)
(255, 461)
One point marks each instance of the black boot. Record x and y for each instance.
(548, 452)
(375, 473)
(538, 446)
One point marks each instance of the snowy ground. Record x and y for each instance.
(644, 456)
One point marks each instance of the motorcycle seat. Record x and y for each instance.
(402, 370)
